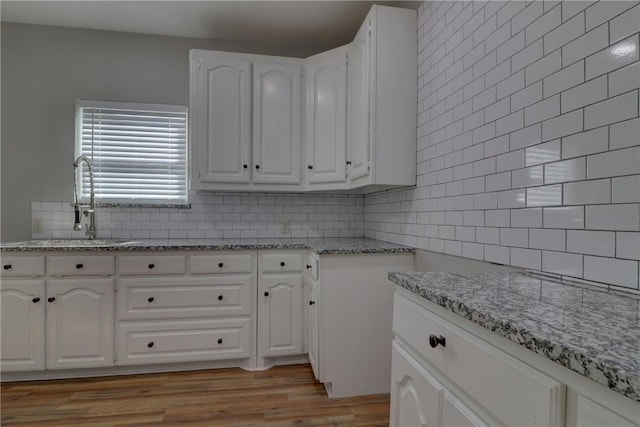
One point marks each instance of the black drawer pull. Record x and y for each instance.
(151, 266)
(282, 264)
(219, 340)
(266, 294)
(348, 162)
(308, 267)
(220, 264)
(312, 302)
(79, 266)
(220, 297)
(257, 166)
(7, 266)
(434, 341)
(245, 166)
(150, 299)
(310, 167)
(51, 299)
(35, 300)
(150, 345)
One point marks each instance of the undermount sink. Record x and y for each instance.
(72, 242)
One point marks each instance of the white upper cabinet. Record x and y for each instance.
(220, 116)
(382, 100)
(326, 119)
(276, 123)
(359, 114)
(245, 122)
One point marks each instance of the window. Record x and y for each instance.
(138, 151)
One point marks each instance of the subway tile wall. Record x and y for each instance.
(212, 216)
(529, 138)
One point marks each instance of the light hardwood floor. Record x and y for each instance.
(281, 396)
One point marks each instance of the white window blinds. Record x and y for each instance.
(138, 151)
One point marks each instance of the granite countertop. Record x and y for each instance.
(592, 331)
(320, 246)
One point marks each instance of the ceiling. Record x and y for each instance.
(322, 23)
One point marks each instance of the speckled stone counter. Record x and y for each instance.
(591, 331)
(320, 246)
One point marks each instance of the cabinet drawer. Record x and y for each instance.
(152, 264)
(80, 265)
(146, 298)
(25, 266)
(221, 263)
(278, 263)
(183, 341)
(488, 374)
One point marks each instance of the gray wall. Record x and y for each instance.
(45, 69)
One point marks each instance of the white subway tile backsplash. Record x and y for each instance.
(587, 192)
(612, 110)
(614, 57)
(522, 159)
(628, 245)
(562, 263)
(580, 144)
(625, 134)
(622, 217)
(591, 242)
(611, 270)
(614, 163)
(553, 240)
(585, 45)
(563, 217)
(626, 189)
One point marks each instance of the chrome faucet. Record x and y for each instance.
(90, 209)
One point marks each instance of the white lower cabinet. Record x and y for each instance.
(80, 323)
(473, 377)
(22, 324)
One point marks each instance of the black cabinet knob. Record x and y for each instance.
(7, 266)
(51, 299)
(312, 302)
(79, 266)
(281, 263)
(35, 300)
(152, 266)
(310, 167)
(220, 264)
(150, 299)
(150, 345)
(434, 341)
(220, 297)
(245, 166)
(257, 166)
(219, 340)
(308, 267)
(266, 294)
(348, 162)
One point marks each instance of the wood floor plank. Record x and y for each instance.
(279, 397)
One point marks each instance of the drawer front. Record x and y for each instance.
(183, 341)
(488, 374)
(283, 262)
(146, 298)
(152, 264)
(80, 265)
(221, 263)
(25, 266)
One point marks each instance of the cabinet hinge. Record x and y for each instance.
(304, 348)
(115, 287)
(115, 358)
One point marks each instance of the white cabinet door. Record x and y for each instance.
(456, 414)
(22, 309)
(314, 328)
(220, 114)
(280, 314)
(416, 397)
(326, 117)
(359, 102)
(276, 123)
(80, 323)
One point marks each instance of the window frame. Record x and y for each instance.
(132, 106)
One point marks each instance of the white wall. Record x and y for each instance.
(45, 69)
(528, 138)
